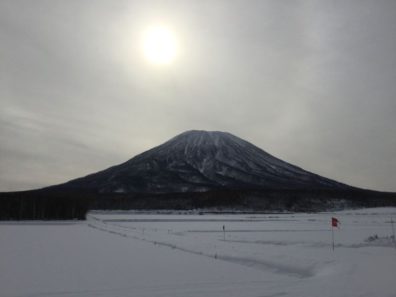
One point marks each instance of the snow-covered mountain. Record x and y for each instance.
(198, 161)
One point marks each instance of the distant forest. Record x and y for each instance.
(62, 205)
(43, 205)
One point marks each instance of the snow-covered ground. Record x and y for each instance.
(130, 254)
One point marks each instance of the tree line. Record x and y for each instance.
(48, 204)
(42, 205)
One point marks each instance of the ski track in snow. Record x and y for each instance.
(301, 272)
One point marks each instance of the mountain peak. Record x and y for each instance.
(202, 132)
(202, 136)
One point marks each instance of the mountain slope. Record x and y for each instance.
(198, 161)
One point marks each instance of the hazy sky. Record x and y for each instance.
(310, 82)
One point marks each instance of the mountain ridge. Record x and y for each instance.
(199, 161)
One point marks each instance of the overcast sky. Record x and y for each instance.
(310, 82)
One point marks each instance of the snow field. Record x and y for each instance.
(130, 254)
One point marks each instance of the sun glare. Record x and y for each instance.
(159, 45)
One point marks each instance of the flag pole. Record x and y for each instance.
(334, 223)
(393, 233)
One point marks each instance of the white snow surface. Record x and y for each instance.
(139, 254)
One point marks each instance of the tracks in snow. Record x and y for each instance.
(146, 236)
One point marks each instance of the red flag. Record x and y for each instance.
(334, 222)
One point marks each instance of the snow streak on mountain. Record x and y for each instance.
(197, 161)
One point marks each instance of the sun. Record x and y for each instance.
(159, 45)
